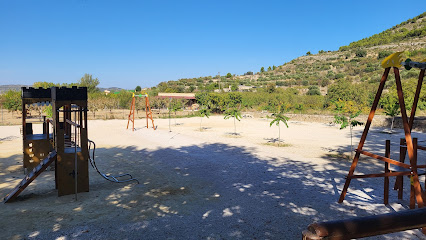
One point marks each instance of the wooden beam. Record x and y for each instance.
(29, 178)
(385, 159)
(360, 227)
(386, 181)
(365, 133)
(416, 98)
(388, 174)
(408, 139)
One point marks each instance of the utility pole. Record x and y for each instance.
(219, 80)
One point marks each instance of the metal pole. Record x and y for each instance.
(75, 157)
(219, 80)
(170, 101)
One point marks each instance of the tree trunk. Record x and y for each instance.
(235, 127)
(279, 134)
(393, 119)
(350, 127)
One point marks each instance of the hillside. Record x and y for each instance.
(16, 87)
(359, 62)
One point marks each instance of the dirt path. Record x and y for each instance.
(196, 184)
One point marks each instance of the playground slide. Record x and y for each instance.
(51, 157)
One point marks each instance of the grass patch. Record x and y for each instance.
(337, 156)
(275, 144)
(233, 135)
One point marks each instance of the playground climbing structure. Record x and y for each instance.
(408, 145)
(66, 146)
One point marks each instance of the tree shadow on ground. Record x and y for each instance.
(214, 191)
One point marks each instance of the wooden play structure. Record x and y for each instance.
(360, 227)
(66, 146)
(36, 146)
(132, 111)
(408, 145)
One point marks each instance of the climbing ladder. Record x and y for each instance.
(51, 157)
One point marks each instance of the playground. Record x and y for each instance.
(206, 184)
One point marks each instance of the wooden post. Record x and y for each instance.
(399, 183)
(408, 139)
(386, 182)
(132, 114)
(148, 112)
(416, 98)
(364, 134)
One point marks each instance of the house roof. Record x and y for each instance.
(177, 95)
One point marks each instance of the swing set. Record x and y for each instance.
(148, 111)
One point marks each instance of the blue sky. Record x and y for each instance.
(130, 43)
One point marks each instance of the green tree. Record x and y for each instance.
(278, 117)
(308, 53)
(203, 99)
(204, 112)
(234, 100)
(234, 87)
(12, 100)
(299, 107)
(44, 85)
(345, 114)
(391, 107)
(138, 89)
(228, 75)
(88, 81)
(233, 113)
(48, 111)
(175, 105)
(274, 67)
(269, 68)
(262, 69)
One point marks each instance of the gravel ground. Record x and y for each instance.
(208, 184)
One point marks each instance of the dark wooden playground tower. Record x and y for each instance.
(67, 146)
(69, 107)
(409, 145)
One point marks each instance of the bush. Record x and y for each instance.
(313, 90)
(360, 52)
(12, 100)
(325, 82)
(383, 54)
(339, 75)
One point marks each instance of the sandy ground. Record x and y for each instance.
(205, 184)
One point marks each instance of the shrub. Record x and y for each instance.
(12, 100)
(360, 52)
(313, 90)
(383, 54)
(339, 75)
